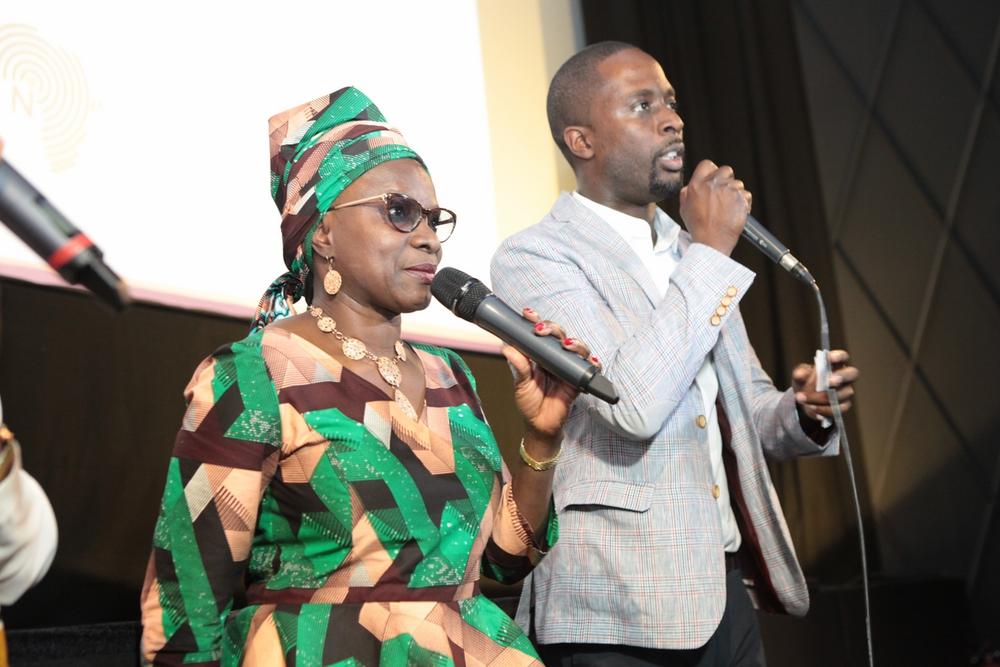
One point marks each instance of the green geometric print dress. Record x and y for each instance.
(307, 521)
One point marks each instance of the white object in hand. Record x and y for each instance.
(822, 365)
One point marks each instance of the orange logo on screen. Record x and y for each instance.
(47, 84)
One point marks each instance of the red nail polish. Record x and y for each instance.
(595, 359)
(529, 310)
(567, 341)
(539, 326)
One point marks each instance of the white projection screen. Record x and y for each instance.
(146, 124)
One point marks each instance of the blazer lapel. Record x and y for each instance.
(605, 240)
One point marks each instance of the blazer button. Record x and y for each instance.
(720, 311)
(726, 300)
(716, 320)
(716, 491)
(731, 291)
(701, 421)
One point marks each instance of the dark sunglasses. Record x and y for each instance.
(404, 213)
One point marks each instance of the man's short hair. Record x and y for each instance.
(571, 90)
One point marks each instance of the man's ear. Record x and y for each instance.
(579, 141)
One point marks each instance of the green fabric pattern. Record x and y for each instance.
(305, 515)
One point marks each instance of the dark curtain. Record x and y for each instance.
(735, 67)
(95, 400)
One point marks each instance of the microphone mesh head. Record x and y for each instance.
(469, 302)
(459, 292)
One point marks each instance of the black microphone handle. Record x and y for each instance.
(30, 216)
(775, 250)
(500, 319)
(764, 240)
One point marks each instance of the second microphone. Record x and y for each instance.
(471, 300)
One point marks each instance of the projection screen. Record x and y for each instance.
(146, 124)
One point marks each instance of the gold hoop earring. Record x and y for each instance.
(332, 280)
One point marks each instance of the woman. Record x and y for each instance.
(334, 492)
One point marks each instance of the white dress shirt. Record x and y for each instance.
(660, 259)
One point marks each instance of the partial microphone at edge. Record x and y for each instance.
(30, 216)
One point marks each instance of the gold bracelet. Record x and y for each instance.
(540, 466)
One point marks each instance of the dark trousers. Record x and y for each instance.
(735, 643)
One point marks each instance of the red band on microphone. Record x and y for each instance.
(68, 251)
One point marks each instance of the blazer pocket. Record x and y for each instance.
(606, 493)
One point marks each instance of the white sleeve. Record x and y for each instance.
(28, 533)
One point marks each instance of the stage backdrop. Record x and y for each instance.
(148, 127)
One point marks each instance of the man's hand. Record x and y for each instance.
(714, 206)
(814, 404)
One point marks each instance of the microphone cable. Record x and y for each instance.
(838, 418)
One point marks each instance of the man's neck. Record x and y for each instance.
(645, 212)
(606, 198)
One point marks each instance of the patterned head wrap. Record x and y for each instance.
(317, 150)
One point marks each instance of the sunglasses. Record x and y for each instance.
(404, 213)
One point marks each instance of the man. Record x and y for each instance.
(665, 500)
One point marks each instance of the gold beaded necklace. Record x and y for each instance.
(354, 349)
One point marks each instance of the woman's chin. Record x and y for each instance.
(416, 302)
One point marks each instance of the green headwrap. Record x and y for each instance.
(317, 150)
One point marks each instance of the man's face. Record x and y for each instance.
(637, 133)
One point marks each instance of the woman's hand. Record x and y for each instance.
(542, 398)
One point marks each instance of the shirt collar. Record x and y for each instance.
(635, 230)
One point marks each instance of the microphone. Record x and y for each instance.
(65, 248)
(473, 301)
(768, 244)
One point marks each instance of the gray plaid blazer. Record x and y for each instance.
(639, 559)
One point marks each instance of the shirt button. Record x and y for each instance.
(716, 491)
(701, 421)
